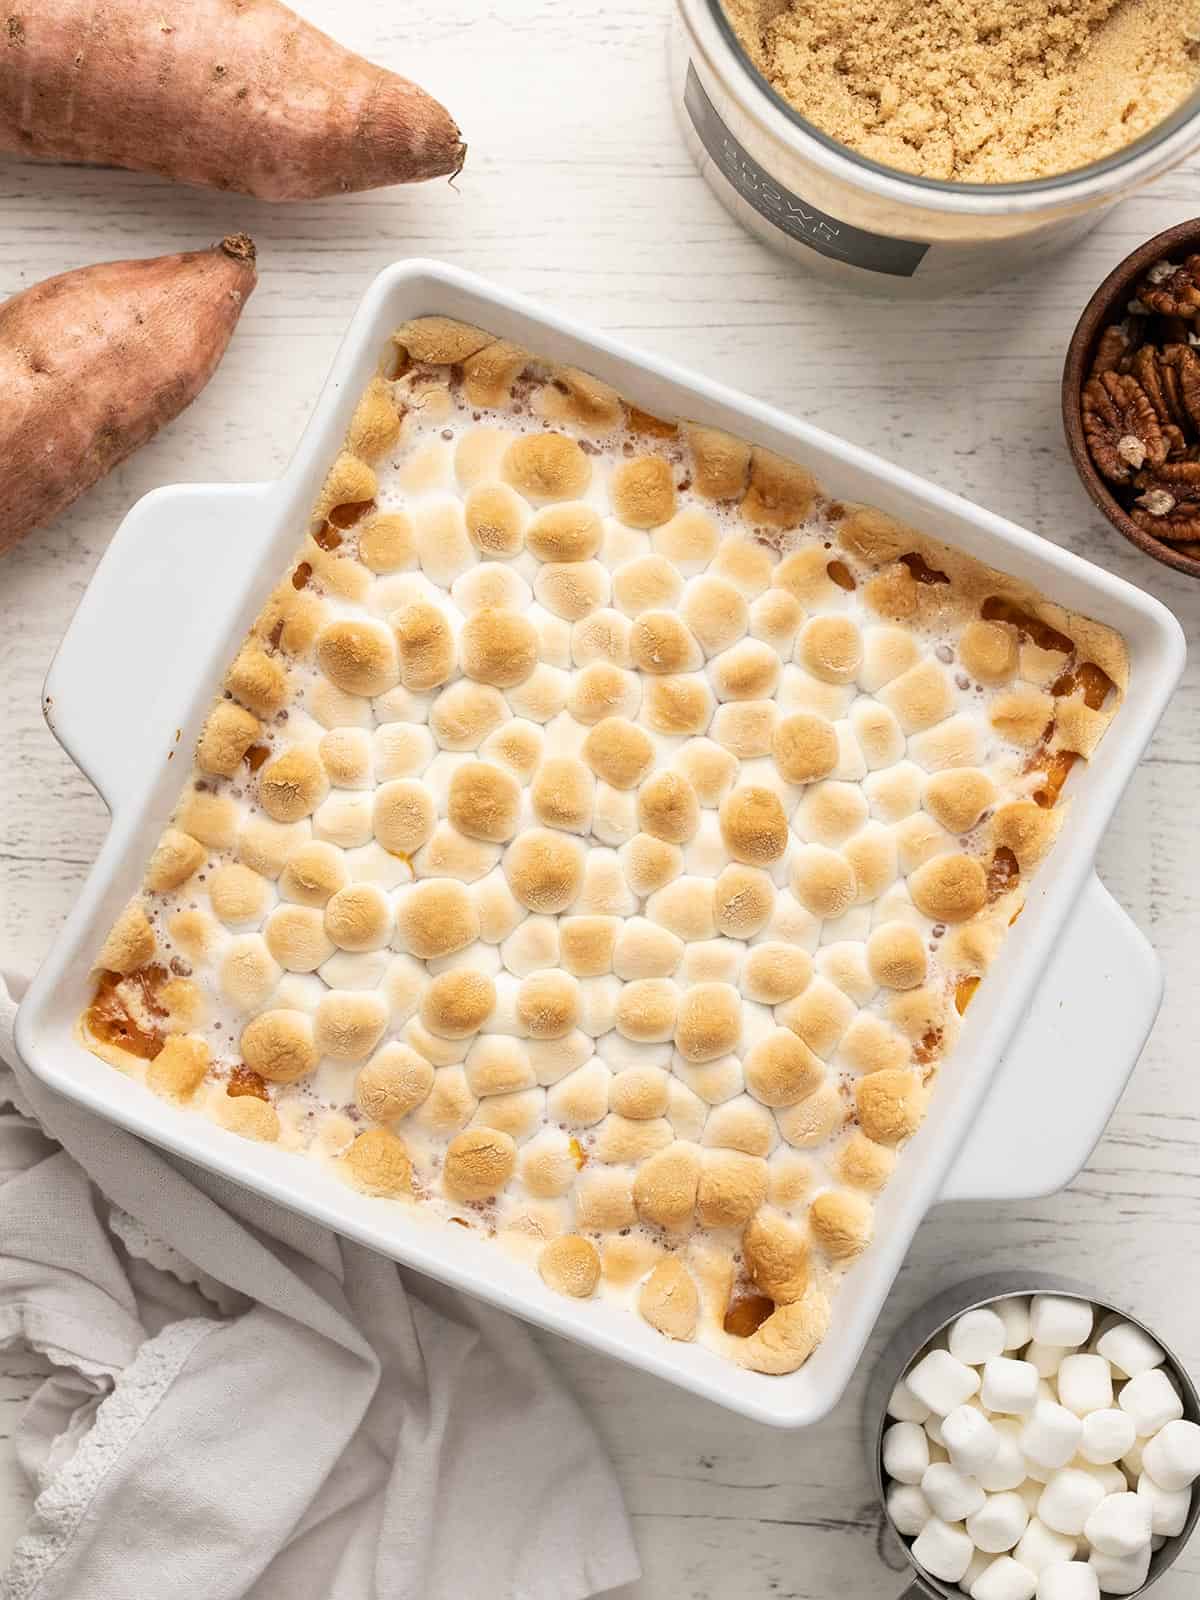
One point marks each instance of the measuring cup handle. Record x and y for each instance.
(915, 1591)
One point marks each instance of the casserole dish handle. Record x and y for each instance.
(145, 620)
(1061, 1077)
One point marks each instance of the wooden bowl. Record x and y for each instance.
(1105, 307)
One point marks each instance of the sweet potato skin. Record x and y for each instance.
(94, 362)
(234, 94)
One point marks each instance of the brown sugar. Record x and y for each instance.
(980, 91)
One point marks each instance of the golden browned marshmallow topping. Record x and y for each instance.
(598, 840)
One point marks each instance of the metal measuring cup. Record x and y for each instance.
(910, 1339)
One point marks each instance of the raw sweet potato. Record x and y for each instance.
(94, 362)
(236, 94)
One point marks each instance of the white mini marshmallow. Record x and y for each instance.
(933, 1427)
(1005, 1579)
(943, 1551)
(1168, 1507)
(1047, 1358)
(904, 1405)
(1110, 1476)
(1085, 1383)
(976, 1336)
(1009, 1386)
(1040, 1547)
(1069, 1499)
(1107, 1434)
(952, 1495)
(1051, 1435)
(905, 1452)
(1120, 1524)
(941, 1382)
(1068, 1580)
(1031, 1492)
(1121, 1574)
(978, 1566)
(908, 1509)
(1056, 1319)
(1128, 1350)
(999, 1523)
(1008, 1468)
(1151, 1400)
(1172, 1457)
(1132, 1459)
(970, 1438)
(1014, 1314)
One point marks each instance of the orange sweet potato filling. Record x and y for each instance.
(747, 1315)
(243, 1081)
(111, 1018)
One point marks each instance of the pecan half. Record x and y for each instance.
(1113, 351)
(1121, 427)
(1160, 383)
(1170, 290)
(1183, 360)
(1168, 504)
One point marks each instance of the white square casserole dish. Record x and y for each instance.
(180, 584)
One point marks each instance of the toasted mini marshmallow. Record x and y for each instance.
(279, 1046)
(544, 869)
(661, 643)
(563, 794)
(841, 1222)
(957, 742)
(805, 747)
(688, 541)
(959, 797)
(709, 1023)
(601, 690)
(891, 1104)
(465, 713)
(1022, 716)
(605, 891)
(716, 612)
(820, 1015)
(493, 586)
(774, 973)
(425, 646)
(647, 583)
(830, 648)
(478, 1164)
(680, 706)
(708, 768)
(618, 752)
(647, 1009)
(643, 492)
(571, 532)
(781, 1069)
(685, 907)
(498, 647)
(580, 1099)
(643, 949)
(248, 973)
(518, 746)
(988, 651)
(830, 813)
(602, 635)
(949, 888)
(753, 825)
(435, 918)
(746, 728)
(748, 567)
(746, 671)
(811, 1121)
(573, 590)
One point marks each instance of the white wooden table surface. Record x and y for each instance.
(579, 192)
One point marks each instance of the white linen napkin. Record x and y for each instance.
(247, 1405)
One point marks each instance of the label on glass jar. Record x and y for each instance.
(800, 220)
